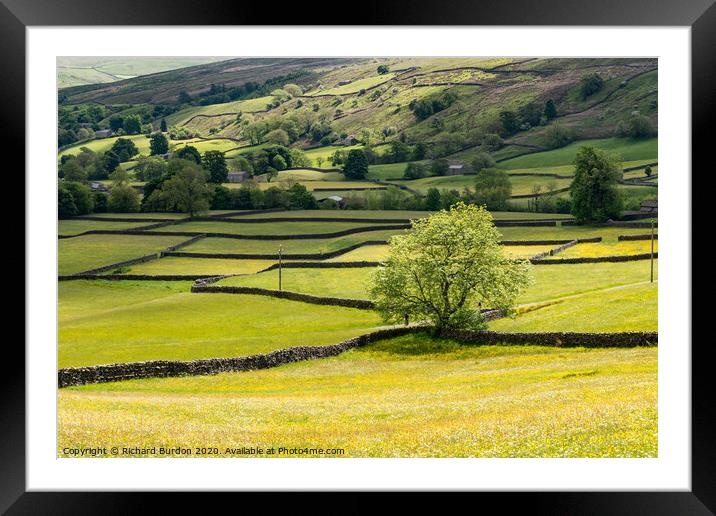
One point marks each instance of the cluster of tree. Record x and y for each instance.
(251, 197)
(529, 115)
(88, 164)
(76, 198)
(180, 133)
(219, 93)
(271, 160)
(558, 136)
(78, 122)
(432, 104)
(383, 69)
(285, 130)
(129, 124)
(73, 198)
(635, 125)
(590, 84)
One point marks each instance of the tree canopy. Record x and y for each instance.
(445, 268)
(595, 196)
(158, 144)
(356, 165)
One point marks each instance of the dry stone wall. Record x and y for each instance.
(167, 368)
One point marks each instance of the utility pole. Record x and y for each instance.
(280, 251)
(652, 251)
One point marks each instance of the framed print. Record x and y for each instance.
(417, 253)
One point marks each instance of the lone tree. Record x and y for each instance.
(215, 163)
(158, 144)
(595, 197)
(445, 268)
(356, 165)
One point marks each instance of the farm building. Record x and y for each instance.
(237, 177)
(103, 133)
(340, 201)
(343, 83)
(98, 187)
(456, 169)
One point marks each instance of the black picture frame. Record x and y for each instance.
(700, 15)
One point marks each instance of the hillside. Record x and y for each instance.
(77, 71)
(164, 87)
(352, 96)
(530, 115)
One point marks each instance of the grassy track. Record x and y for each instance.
(92, 251)
(627, 308)
(98, 323)
(406, 397)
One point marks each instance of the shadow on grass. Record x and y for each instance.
(425, 345)
(415, 344)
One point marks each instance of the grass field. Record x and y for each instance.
(92, 251)
(355, 86)
(268, 228)
(74, 71)
(609, 248)
(158, 216)
(326, 152)
(202, 146)
(551, 282)
(626, 308)
(318, 245)
(626, 149)
(521, 185)
(338, 186)
(397, 214)
(413, 396)
(244, 106)
(75, 227)
(104, 144)
(406, 397)
(98, 323)
(208, 266)
(308, 175)
(567, 232)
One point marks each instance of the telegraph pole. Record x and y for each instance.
(280, 250)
